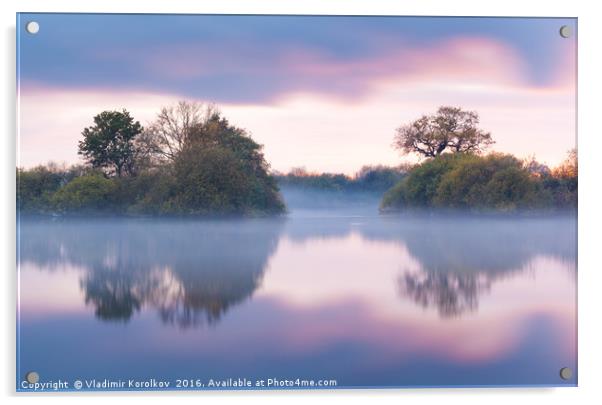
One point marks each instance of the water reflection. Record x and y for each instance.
(460, 263)
(460, 257)
(371, 301)
(190, 272)
(452, 294)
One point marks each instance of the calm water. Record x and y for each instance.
(361, 299)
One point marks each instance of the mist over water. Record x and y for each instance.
(333, 290)
(305, 203)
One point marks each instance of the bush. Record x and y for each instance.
(35, 188)
(469, 182)
(215, 169)
(563, 182)
(149, 193)
(215, 180)
(563, 191)
(419, 187)
(87, 194)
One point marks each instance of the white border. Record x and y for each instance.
(590, 143)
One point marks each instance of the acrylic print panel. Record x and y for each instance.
(295, 202)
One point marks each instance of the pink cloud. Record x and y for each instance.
(344, 129)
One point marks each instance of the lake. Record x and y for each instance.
(350, 296)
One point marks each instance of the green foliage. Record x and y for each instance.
(148, 193)
(451, 129)
(563, 182)
(35, 188)
(370, 179)
(86, 194)
(194, 162)
(210, 168)
(495, 182)
(563, 191)
(215, 180)
(221, 170)
(420, 186)
(109, 143)
(324, 181)
(378, 178)
(216, 169)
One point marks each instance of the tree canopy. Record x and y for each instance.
(192, 161)
(496, 181)
(174, 126)
(217, 167)
(451, 129)
(109, 143)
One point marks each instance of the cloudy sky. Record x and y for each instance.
(325, 93)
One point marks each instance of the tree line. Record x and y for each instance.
(374, 179)
(192, 161)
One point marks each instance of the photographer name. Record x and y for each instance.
(126, 384)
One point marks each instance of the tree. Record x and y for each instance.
(172, 130)
(221, 170)
(535, 168)
(452, 293)
(563, 183)
(109, 143)
(204, 166)
(450, 129)
(568, 169)
(378, 178)
(217, 168)
(36, 186)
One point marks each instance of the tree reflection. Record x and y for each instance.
(452, 294)
(200, 295)
(461, 259)
(114, 295)
(459, 256)
(191, 273)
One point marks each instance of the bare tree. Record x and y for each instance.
(569, 168)
(535, 168)
(451, 129)
(174, 126)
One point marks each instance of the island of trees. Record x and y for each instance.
(192, 161)
(189, 161)
(457, 175)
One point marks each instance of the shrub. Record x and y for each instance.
(35, 188)
(215, 180)
(466, 181)
(87, 194)
(149, 193)
(419, 188)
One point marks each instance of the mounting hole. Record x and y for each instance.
(32, 27)
(566, 373)
(32, 377)
(566, 31)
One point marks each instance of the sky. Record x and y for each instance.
(321, 92)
